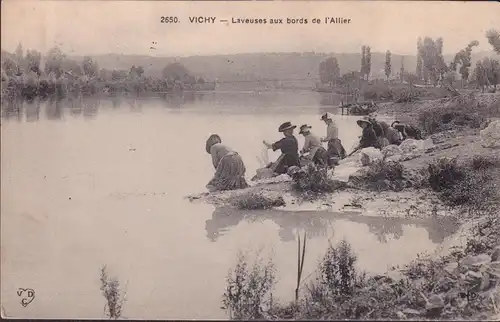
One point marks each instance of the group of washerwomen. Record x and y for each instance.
(230, 168)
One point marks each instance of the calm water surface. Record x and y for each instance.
(88, 182)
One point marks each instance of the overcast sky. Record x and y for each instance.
(131, 27)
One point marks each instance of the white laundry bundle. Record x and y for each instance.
(491, 135)
(263, 158)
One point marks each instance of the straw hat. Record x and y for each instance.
(326, 116)
(286, 126)
(360, 122)
(304, 128)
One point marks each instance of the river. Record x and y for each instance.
(88, 182)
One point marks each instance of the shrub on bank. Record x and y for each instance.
(248, 289)
(314, 179)
(381, 175)
(255, 201)
(460, 111)
(471, 184)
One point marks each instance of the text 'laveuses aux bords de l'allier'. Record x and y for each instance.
(273, 21)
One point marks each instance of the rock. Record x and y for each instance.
(476, 260)
(495, 256)
(264, 173)
(410, 145)
(493, 268)
(369, 155)
(490, 136)
(451, 268)
(485, 282)
(411, 312)
(391, 150)
(435, 302)
(401, 315)
(473, 279)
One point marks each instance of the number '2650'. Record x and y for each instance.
(169, 19)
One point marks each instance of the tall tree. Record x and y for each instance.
(19, 52)
(387, 68)
(402, 70)
(432, 59)
(363, 61)
(33, 59)
(54, 62)
(441, 66)
(368, 62)
(492, 71)
(463, 58)
(90, 67)
(136, 71)
(176, 71)
(329, 70)
(419, 72)
(494, 39)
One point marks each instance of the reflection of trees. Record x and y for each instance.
(178, 100)
(329, 99)
(116, 101)
(33, 110)
(12, 108)
(53, 108)
(90, 107)
(135, 105)
(75, 106)
(383, 228)
(313, 226)
(225, 218)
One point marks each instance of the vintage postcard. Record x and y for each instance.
(250, 160)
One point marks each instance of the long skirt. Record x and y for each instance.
(336, 149)
(284, 162)
(321, 157)
(229, 175)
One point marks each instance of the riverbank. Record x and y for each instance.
(456, 177)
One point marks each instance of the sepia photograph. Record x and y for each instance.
(250, 160)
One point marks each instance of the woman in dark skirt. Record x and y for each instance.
(289, 147)
(229, 167)
(368, 137)
(335, 150)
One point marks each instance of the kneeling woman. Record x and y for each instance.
(289, 147)
(229, 167)
(312, 145)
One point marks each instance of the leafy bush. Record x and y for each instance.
(315, 179)
(461, 111)
(248, 291)
(444, 174)
(480, 162)
(338, 274)
(110, 288)
(382, 175)
(255, 201)
(470, 184)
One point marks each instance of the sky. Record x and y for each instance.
(134, 27)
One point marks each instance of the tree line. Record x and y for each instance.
(431, 66)
(23, 75)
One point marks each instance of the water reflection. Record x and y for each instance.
(317, 224)
(33, 111)
(53, 108)
(90, 106)
(329, 99)
(12, 109)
